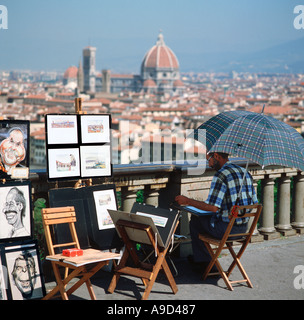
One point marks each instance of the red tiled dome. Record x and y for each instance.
(71, 73)
(149, 83)
(160, 56)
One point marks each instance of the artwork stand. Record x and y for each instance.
(78, 109)
(132, 233)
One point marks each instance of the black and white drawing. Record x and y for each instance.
(15, 211)
(24, 272)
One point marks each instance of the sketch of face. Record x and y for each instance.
(24, 274)
(12, 149)
(13, 209)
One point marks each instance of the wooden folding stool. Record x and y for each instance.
(84, 266)
(227, 243)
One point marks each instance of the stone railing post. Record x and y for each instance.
(284, 226)
(298, 203)
(152, 194)
(128, 198)
(267, 228)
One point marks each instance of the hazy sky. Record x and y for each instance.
(50, 35)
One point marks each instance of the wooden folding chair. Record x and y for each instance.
(84, 266)
(146, 271)
(215, 246)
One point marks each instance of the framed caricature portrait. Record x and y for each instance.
(23, 266)
(15, 211)
(14, 146)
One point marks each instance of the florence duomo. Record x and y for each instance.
(159, 73)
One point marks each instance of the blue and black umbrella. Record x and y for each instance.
(254, 136)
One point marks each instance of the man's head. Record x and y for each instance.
(217, 159)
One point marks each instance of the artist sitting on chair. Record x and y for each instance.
(225, 187)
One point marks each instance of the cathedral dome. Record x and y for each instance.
(70, 73)
(160, 56)
(160, 69)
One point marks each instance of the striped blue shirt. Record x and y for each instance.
(225, 187)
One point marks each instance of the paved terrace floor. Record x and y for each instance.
(269, 264)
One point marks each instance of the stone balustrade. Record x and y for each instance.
(160, 184)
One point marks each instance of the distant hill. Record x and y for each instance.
(286, 57)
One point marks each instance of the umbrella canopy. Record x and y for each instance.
(254, 136)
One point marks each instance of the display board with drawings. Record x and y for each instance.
(78, 146)
(94, 225)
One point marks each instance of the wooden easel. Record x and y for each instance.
(78, 106)
(78, 109)
(147, 272)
